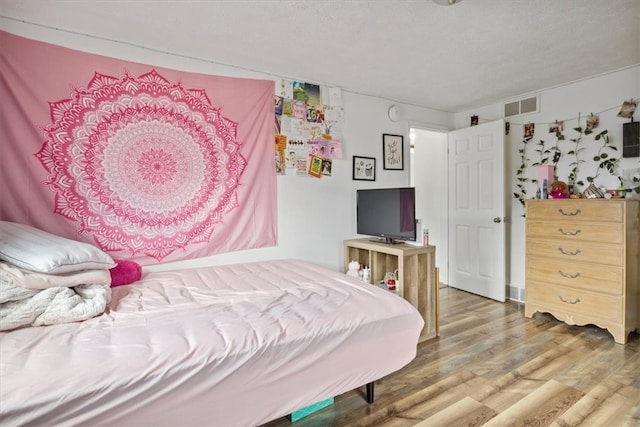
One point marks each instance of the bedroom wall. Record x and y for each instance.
(601, 94)
(314, 215)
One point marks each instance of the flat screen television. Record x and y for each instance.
(387, 213)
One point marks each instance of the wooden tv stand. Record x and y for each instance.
(417, 275)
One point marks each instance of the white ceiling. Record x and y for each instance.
(450, 58)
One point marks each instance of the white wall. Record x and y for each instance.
(602, 94)
(428, 175)
(314, 215)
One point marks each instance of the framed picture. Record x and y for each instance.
(393, 152)
(315, 166)
(364, 168)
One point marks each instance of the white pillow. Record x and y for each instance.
(36, 250)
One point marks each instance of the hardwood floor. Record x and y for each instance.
(491, 366)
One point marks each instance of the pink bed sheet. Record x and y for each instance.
(234, 345)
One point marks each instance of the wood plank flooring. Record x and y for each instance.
(491, 366)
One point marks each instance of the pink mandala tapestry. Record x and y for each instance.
(146, 163)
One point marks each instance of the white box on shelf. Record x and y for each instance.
(419, 235)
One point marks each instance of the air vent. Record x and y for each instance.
(512, 109)
(521, 106)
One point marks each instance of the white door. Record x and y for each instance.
(477, 253)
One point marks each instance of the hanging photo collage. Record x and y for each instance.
(308, 128)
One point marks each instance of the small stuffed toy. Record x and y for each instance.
(354, 268)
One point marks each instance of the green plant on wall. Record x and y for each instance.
(556, 152)
(576, 161)
(603, 158)
(543, 154)
(521, 177)
(552, 153)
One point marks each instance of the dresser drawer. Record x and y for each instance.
(567, 251)
(576, 231)
(587, 276)
(576, 210)
(575, 301)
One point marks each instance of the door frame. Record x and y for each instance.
(479, 283)
(445, 269)
(443, 247)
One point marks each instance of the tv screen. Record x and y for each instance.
(387, 213)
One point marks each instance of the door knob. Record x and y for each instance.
(497, 220)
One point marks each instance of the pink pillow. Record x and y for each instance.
(125, 272)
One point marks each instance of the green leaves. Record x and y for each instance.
(602, 158)
(521, 177)
(605, 160)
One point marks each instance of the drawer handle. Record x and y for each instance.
(576, 252)
(569, 233)
(577, 300)
(568, 275)
(569, 213)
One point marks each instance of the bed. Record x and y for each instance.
(232, 345)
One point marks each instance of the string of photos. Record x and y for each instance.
(570, 147)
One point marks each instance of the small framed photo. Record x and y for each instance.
(315, 166)
(364, 168)
(393, 152)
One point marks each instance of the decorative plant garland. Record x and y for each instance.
(575, 165)
(557, 153)
(521, 178)
(542, 160)
(604, 158)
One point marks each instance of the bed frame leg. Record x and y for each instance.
(370, 396)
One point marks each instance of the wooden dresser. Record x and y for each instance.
(582, 260)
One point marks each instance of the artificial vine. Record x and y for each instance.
(555, 151)
(575, 164)
(603, 159)
(521, 178)
(542, 160)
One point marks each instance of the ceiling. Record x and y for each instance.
(449, 58)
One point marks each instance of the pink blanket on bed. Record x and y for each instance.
(234, 345)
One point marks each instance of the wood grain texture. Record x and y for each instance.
(582, 262)
(416, 269)
(491, 366)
